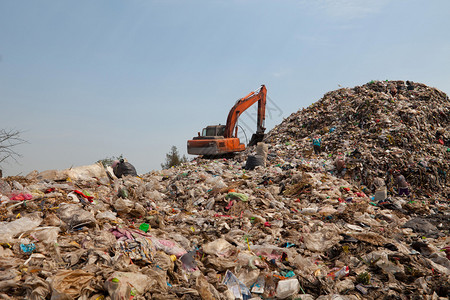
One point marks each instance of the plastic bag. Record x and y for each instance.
(321, 240)
(109, 215)
(69, 284)
(168, 246)
(188, 261)
(287, 288)
(75, 216)
(262, 149)
(268, 251)
(36, 287)
(248, 277)
(237, 196)
(239, 290)
(219, 247)
(123, 206)
(47, 235)
(123, 285)
(253, 161)
(88, 173)
(9, 230)
(155, 195)
(216, 182)
(124, 168)
(20, 196)
(203, 288)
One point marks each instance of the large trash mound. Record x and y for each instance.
(381, 127)
(289, 227)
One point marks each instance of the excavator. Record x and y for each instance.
(222, 140)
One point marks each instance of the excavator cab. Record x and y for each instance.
(219, 140)
(213, 131)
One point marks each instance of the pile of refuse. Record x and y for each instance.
(290, 227)
(378, 128)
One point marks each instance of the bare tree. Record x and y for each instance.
(9, 138)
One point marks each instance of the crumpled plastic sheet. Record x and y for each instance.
(69, 284)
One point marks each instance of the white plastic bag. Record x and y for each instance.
(9, 230)
(287, 288)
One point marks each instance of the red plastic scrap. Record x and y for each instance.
(223, 216)
(230, 204)
(21, 197)
(85, 196)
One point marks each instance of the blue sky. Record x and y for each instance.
(85, 80)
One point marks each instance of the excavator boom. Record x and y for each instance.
(242, 105)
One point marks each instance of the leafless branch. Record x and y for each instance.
(9, 138)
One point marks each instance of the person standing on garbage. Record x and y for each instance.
(341, 167)
(317, 143)
(377, 183)
(123, 168)
(403, 186)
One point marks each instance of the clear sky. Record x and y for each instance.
(86, 80)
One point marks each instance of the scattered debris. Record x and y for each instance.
(297, 226)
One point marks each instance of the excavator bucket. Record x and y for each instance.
(256, 138)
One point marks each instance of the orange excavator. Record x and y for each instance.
(219, 140)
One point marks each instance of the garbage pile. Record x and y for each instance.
(378, 128)
(288, 227)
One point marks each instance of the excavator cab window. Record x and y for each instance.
(209, 132)
(220, 130)
(214, 130)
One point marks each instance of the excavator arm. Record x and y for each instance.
(242, 105)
